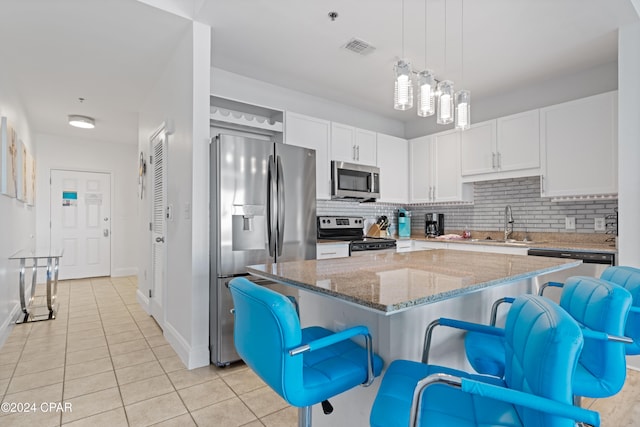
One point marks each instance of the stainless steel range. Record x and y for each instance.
(351, 229)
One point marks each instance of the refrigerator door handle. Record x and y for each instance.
(271, 206)
(280, 187)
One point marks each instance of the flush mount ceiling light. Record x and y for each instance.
(83, 122)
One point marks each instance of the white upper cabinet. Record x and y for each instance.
(420, 181)
(508, 147)
(518, 142)
(447, 179)
(393, 158)
(478, 149)
(435, 169)
(580, 147)
(310, 132)
(353, 145)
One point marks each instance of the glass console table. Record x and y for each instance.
(29, 259)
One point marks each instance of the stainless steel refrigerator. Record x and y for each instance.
(263, 209)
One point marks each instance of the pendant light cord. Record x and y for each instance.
(445, 36)
(425, 34)
(402, 21)
(462, 43)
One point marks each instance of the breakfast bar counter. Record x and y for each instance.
(392, 282)
(396, 295)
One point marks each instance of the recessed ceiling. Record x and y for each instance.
(111, 52)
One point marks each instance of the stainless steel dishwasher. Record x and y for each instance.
(593, 264)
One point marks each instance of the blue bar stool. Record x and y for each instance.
(304, 366)
(628, 278)
(542, 346)
(601, 308)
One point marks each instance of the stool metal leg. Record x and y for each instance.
(23, 302)
(304, 416)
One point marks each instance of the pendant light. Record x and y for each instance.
(426, 81)
(445, 102)
(462, 97)
(403, 90)
(463, 109)
(444, 91)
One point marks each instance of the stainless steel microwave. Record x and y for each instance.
(355, 182)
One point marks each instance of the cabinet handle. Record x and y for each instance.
(353, 154)
(357, 152)
(328, 253)
(493, 160)
(499, 159)
(542, 184)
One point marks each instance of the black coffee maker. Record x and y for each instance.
(434, 225)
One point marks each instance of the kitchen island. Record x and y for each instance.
(396, 295)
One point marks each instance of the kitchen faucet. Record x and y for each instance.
(508, 219)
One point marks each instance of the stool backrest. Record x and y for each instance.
(266, 327)
(629, 278)
(542, 346)
(600, 306)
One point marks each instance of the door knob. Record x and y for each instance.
(105, 232)
(160, 239)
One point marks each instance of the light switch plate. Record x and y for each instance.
(599, 224)
(569, 223)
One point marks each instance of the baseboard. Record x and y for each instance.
(7, 325)
(633, 362)
(191, 357)
(143, 300)
(127, 271)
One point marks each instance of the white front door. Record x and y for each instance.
(158, 225)
(81, 222)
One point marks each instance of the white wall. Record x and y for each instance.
(17, 221)
(603, 78)
(629, 152)
(251, 91)
(181, 97)
(118, 159)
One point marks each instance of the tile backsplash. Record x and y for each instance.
(531, 212)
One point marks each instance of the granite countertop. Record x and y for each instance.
(392, 282)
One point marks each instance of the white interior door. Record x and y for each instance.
(81, 222)
(158, 225)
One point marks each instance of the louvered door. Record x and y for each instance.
(158, 226)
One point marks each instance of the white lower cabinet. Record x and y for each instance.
(404, 245)
(496, 249)
(421, 245)
(332, 250)
(473, 247)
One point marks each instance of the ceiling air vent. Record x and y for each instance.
(358, 46)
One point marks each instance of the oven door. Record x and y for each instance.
(352, 181)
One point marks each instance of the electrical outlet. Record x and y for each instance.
(569, 223)
(598, 224)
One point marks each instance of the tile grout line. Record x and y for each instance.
(158, 360)
(126, 417)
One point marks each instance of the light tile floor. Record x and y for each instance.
(106, 358)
